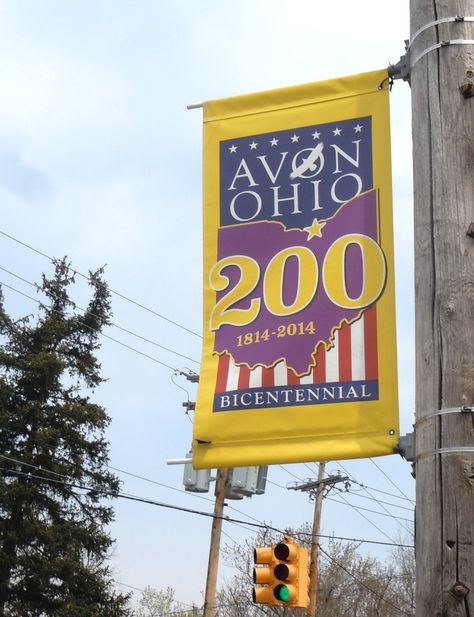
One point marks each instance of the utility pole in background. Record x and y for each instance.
(211, 581)
(317, 487)
(314, 552)
(442, 82)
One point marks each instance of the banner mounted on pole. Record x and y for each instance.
(299, 351)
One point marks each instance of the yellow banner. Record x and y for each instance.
(299, 351)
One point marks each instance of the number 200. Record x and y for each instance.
(333, 277)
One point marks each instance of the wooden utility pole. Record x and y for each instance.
(314, 553)
(442, 81)
(320, 485)
(209, 609)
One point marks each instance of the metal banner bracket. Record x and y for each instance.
(401, 70)
(406, 447)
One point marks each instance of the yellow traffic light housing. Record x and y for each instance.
(282, 576)
(263, 576)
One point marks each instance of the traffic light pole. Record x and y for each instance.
(209, 609)
(314, 553)
(442, 81)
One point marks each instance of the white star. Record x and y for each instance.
(358, 128)
(337, 131)
(316, 135)
(233, 149)
(295, 138)
(253, 145)
(274, 142)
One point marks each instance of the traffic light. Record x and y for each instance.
(281, 575)
(263, 577)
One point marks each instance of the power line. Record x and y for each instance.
(366, 518)
(290, 473)
(189, 493)
(367, 509)
(377, 490)
(232, 507)
(228, 519)
(134, 475)
(178, 490)
(386, 513)
(94, 330)
(225, 518)
(145, 500)
(354, 481)
(276, 484)
(387, 503)
(142, 306)
(108, 493)
(388, 478)
(181, 508)
(139, 336)
(396, 519)
(346, 502)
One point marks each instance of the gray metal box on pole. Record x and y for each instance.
(196, 480)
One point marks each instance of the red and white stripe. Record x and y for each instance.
(352, 358)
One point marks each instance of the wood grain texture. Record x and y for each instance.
(210, 608)
(443, 150)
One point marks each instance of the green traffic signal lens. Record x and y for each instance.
(282, 593)
(285, 594)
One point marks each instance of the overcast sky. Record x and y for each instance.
(101, 161)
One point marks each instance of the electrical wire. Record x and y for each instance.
(397, 519)
(174, 369)
(349, 504)
(367, 519)
(211, 500)
(208, 514)
(120, 494)
(276, 484)
(355, 508)
(290, 473)
(387, 503)
(388, 478)
(134, 475)
(229, 537)
(314, 472)
(377, 490)
(116, 293)
(112, 324)
(371, 498)
(228, 519)
(179, 490)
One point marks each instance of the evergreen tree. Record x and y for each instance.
(53, 455)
